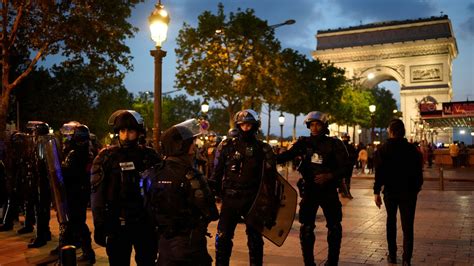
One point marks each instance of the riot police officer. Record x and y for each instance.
(236, 179)
(120, 219)
(322, 167)
(76, 172)
(42, 194)
(180, 200)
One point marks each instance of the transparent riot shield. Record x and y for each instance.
(273, 210)
(56, 179)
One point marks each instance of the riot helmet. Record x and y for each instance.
(81, 135)
(316, 116)
(247, 116)
(38, 128)
(176, 140)
(127, 119)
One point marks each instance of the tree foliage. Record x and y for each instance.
(230, 60)
(78, 33)
(385, 104)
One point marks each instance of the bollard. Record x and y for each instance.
(441, 178)
(67, 256)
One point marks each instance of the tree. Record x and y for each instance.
(292, 86)
(385, 104)
(178, 109)
(73, 31)
(353, 108)
(230, 61)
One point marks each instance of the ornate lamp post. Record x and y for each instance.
(372, 120)
(158, 20)
(281, 119)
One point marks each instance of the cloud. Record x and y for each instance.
(368, 11)
(467, 27)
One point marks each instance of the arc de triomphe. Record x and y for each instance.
(418, 54)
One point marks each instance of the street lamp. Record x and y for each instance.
(281, 119)
(158, 20)
(372, 119)
(288, 22)
(204, 109)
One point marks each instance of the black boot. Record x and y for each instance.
(88, 257)
(37, 242)
(6, 227)
(307, 240)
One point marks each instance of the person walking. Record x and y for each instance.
(454, 153)
(399, 170)
(323, 166)
(118, 208)
(362, 158)
(180, 200)
(345, 187)
(236, 180)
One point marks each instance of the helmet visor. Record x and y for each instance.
(189, 129)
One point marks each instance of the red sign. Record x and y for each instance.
(458, 108)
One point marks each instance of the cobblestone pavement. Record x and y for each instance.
(444, 229)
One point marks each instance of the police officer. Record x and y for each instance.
(322, 167)
(42, 193)
(76, 172)
(180, 200)
(120, 219)
(237, 176)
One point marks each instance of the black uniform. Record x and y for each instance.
(322, 167)
(120, 218)
(237, 176)
(76, 172)
(182, 206)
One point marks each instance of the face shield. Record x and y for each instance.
(190, 128)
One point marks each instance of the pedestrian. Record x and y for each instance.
(463, 155)
(345, 187)
(236, 179)
(399, 170)
(210, 148)
(180, 200)
(370, 157)
(362, 158)
(454, 153)
(323, 165)
(76, 173)
(430, 150)
(118, 208)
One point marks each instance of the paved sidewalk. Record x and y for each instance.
(444, 231)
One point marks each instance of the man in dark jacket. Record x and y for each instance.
(399, 169)
(120, 218)
(323, 165)
(180, 200)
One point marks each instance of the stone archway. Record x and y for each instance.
(418, 54)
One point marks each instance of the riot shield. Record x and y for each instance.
(56, 179)
(273, 210)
